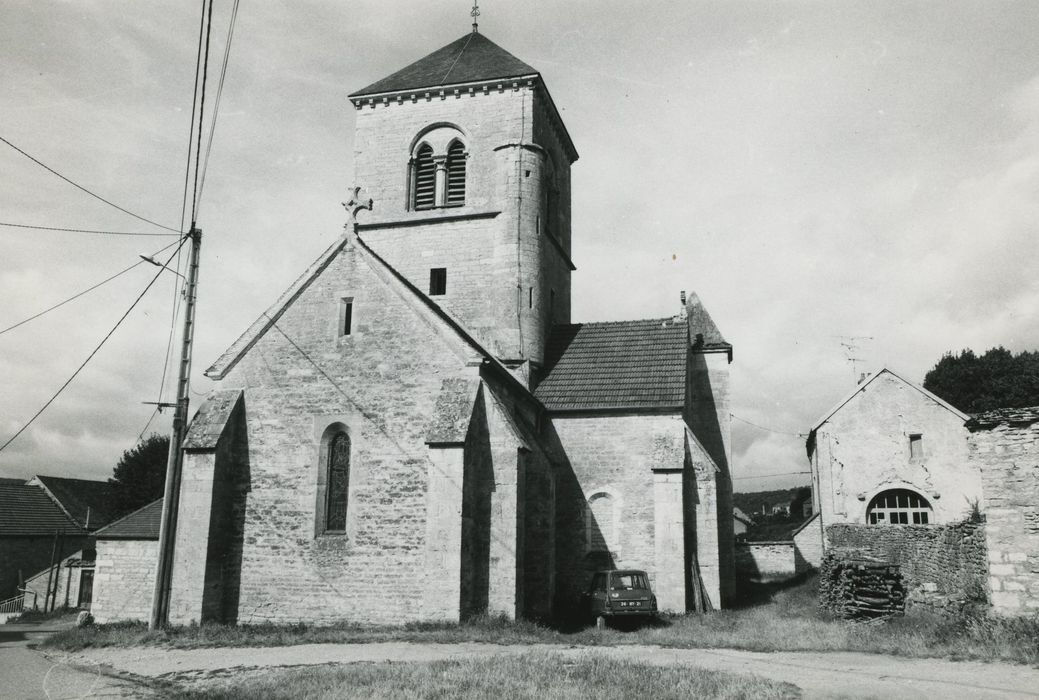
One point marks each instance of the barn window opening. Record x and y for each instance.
(438, 281)
(455, 175)
(898, 507)
(338, 482)
(425, 178)
(346, 315)
(916, 446)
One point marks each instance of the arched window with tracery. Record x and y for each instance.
(338, 482)
(455, 175)
(898, 507)
(424, 178)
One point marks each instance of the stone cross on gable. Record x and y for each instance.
(358, 201)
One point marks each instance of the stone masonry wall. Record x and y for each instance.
(610, 455)
(945, 567)
(765, 560)
(1008, 456)
(124, 580)
(863, 449)
(501, 269)
(381, 382)
(68, 580)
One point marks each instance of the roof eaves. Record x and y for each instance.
(860, 387)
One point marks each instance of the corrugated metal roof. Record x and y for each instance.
(142, 524)
(28, 510)
(470, 59)
(624, 364)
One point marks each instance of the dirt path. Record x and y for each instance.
(819, 675)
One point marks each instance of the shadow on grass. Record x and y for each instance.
(752, 594)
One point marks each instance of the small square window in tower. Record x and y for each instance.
(438, 281)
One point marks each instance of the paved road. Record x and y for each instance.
(819, 675)
(27, 674)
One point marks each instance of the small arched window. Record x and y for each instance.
(601, 522)
(338, 484)
(455, 174)
(425, 178)
(898, 507)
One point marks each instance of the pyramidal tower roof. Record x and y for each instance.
(470, 59)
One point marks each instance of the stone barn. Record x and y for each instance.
(417, 429)
(892, 453)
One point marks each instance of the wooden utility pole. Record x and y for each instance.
(171, 498)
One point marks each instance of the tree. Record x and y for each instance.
(997, 379)
(140, 476)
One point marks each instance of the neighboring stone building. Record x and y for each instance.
(416, 430)
(891, 452)
(127, 556)
(48, 520)
(1004, 445)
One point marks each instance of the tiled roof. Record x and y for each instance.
(28, 510)
(470, 59)
(1011, 416)
(80, 496)
(142, 524)
(625, 364)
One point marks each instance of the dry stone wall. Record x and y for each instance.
(944, 567)
(1008, 455)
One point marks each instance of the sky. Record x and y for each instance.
(822, 174)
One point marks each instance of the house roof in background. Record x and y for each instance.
(82, 499)
(27, 510)
(613, 365)
(1009, 416)
(142, 524)
(472, 58)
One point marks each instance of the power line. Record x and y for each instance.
(84, 189)
(761, 427)
(216, 102)
(89, 357)
(201, 113)
(85, 230)
(85, 291)
(194, 105)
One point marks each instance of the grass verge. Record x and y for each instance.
(540, 675)
(780, 617)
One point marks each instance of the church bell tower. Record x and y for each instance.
(467, 162)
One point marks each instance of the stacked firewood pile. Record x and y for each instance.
(861, 589)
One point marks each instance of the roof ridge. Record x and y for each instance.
(468, 40)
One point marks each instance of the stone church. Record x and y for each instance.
(416, 429)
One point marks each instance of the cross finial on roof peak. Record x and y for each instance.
(474, 14)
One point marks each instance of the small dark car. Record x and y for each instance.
(619, 593)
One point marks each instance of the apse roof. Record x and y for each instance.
(470, 59)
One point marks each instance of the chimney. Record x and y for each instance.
(684, 312)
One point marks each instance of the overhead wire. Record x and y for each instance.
(216, 101)
(194, 105)
(92, 354)
(769, 430)
(84, 189)
(201, 113)
(84, 230)
(85, 291)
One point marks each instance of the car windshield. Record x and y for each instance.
(628, 582)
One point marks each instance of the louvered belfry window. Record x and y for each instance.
(455, 175)
(425, 178)
(338, 482)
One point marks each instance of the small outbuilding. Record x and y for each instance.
(127, 554)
